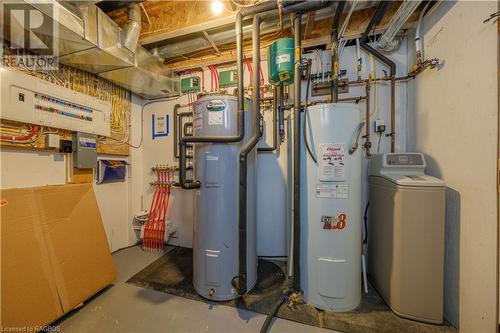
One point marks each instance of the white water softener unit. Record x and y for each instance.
(406, 235)
(215, 239)
(330, 210)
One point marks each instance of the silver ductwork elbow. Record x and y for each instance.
(132, 28)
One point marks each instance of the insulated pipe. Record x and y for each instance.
(377, 17)
(240, 281)
(176, 126)
(185, 129)
(334, 93)
(177, 122)
(296, 162)
(275, 123)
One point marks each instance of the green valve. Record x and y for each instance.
(228, 78)
(281, 61)
(190, 84)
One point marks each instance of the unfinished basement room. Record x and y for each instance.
(272, 166)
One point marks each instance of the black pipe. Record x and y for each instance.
(275, 124)
(296, 162)
(185, 127)
(377, 17)
(281, 112)
(177, 128)
(305, 6)
(240, 281)
(334, 89)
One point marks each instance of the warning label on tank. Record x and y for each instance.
(198, 120)
(331, 162)
(332, 191)
(215, 117)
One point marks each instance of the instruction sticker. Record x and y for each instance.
(87, 143)
(282, 58)
(216, 110)
(331, 162)
(215, 117)
(332, 191)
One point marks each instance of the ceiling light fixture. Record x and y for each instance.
(217, 7)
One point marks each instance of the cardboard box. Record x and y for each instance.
(54, 253)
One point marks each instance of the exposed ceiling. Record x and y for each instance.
(187, 33)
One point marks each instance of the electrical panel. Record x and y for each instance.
(32, 100)
(84, 150)
(190, 84)
(228, 78)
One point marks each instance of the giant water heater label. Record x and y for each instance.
(331, 162)
(332, 191)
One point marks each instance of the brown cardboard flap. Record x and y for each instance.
(76, 241)
(28, 285)
(54, 252)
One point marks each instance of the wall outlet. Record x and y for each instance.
(379, 126)
(52, 141)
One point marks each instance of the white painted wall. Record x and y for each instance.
(453, 117)
(25, 168)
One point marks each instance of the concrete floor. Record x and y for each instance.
(127, 308)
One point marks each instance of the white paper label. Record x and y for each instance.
(215, 117)
(198, 121)
(332, 191)
(282, 58)
(161, 125)
(331, 162)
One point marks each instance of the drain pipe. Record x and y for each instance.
(296, 148)
(240, 281)
(132, 27)
(334, 89)
(377, 17)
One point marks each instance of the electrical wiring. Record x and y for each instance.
(379, 139)
(245, 5)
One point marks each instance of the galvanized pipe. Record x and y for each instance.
(334, 90)
(296, 148)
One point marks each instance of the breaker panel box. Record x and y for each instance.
(29, 99)
(84, 150)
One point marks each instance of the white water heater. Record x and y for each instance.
(330, 209)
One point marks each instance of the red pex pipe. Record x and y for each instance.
(34, 131)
